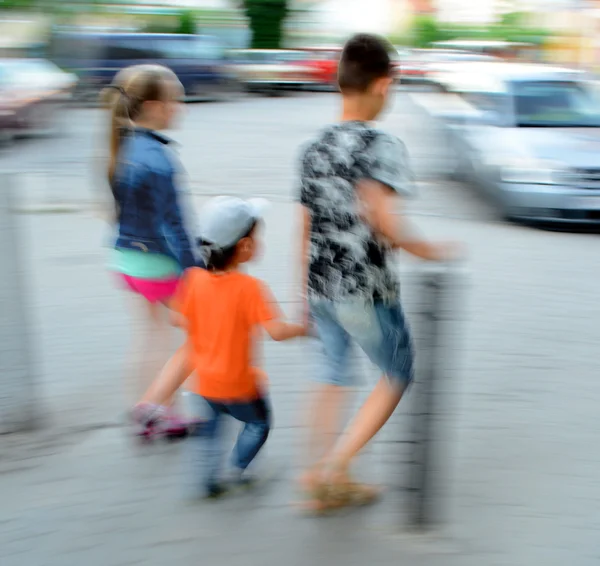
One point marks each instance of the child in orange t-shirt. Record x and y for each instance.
(221, 309)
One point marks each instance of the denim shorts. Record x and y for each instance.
(379, 328)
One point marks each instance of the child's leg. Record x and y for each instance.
(152, 344)
(256, 417)
(170, 379)
(204, 449)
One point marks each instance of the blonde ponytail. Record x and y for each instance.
(124, 98)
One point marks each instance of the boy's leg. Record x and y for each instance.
(374, 413)
(329, 396)
(383, 334)
(256, 417)
(324, 424)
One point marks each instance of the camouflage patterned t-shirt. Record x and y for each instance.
(346, 259)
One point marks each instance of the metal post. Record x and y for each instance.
(425, 484)
(17, 399)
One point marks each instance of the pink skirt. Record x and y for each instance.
(153, 290)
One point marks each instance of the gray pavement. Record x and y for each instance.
(520, 419)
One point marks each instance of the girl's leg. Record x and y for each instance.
(177, 369)
(152, 337)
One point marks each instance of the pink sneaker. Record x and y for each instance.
(174, 426)
(146, 419)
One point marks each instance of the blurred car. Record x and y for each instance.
(323, 62)
(409, 66)
(198, 61)
(399, 59)
(31, 92)
(527, 135)
(445, 62)
(418, 65)
(271, 70)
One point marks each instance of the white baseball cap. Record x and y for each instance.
(224, 221)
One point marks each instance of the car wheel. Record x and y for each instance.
(45, 123)
(197, 92)
(86, 95)
(7, 137)
(230, 89)
(455, 168)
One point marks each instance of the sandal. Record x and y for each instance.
(351, 494)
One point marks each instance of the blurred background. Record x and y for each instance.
(497, 103)
(52, 49)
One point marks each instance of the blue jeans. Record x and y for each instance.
(380, 330)
(206, 446)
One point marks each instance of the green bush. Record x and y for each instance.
(426, 30)
(17, 4)
(187, 23)
(266, 19)
(512, 28)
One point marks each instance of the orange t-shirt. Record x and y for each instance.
(222, 312)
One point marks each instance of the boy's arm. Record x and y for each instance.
(305, 224)
(380, 194)
(382, 211)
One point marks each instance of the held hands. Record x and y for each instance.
(306, 320)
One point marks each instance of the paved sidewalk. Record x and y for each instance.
(519, 430)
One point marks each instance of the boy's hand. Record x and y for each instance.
(307, 321)
(449, 251)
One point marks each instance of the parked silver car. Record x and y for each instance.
(271, 70)
(527, 135)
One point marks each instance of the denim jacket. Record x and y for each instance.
(148, 204)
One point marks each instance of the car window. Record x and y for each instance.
(131, 48)
(174, 48)
(281, 56)
(208, 49)
(66, 47)
(556, 104)
(484, 101)
(257, 57)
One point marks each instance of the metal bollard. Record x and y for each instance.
(437, 298)
(17, 380)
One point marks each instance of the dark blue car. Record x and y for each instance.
(95, 57)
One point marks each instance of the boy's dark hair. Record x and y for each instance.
(365, 58)
(220, 259)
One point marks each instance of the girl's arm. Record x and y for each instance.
(171, 210)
